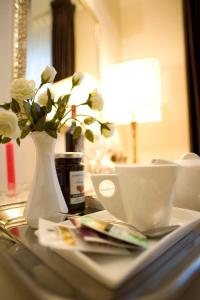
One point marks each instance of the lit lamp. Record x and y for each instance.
(131, 93)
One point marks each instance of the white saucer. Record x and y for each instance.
(112, 270)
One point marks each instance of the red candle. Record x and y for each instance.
(10, 168)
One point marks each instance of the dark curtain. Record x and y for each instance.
(63, 52)
(191, 16)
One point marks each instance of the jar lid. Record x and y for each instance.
(69, 155)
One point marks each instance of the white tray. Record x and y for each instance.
(112, 270)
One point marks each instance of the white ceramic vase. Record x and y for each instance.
(45, 199)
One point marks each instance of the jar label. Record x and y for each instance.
(76, 187)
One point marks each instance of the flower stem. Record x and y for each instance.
(70, 111)
(82, 124)
(41, 84)
(70, 118)
(96, 120)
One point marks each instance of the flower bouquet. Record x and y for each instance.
(27, 113)
(43, 116)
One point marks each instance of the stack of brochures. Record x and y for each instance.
(89, 234)
(99, 247)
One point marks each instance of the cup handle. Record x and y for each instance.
(112, 202)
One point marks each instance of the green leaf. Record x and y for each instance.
(36, 111)
(51, 125)
(15, 106)
(5, 140)
(105, 125)
(40, 125)
(43, 110)
(52, 133)
(27, 108)
(25, 132)
(89, 135)
(49, 93)
(77, 132)
(6, 105)
(65, 99)
(18, 141)
(22, 123)
(60, 112)
(49, 102)
(62, 104)
(89, 103)
(89, 121)
(59, 100)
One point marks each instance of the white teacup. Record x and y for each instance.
(141, 194)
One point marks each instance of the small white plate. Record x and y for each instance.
(112, 270)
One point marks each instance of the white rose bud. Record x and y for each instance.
(108, 132)
(48, 75)
(77, 78)
(43, 98)
(22, 89)
(95, 101)
(9, 124)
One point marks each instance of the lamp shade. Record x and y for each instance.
(131, 91)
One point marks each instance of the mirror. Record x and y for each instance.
(39, 52)
(128, 29)
(38, 56)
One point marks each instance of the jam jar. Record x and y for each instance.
(70, 172)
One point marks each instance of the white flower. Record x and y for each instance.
(95, 101)
(9, 124)
(108, 132)
(22, 89)
(43, 98)
(77, 78)
(48, 75)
